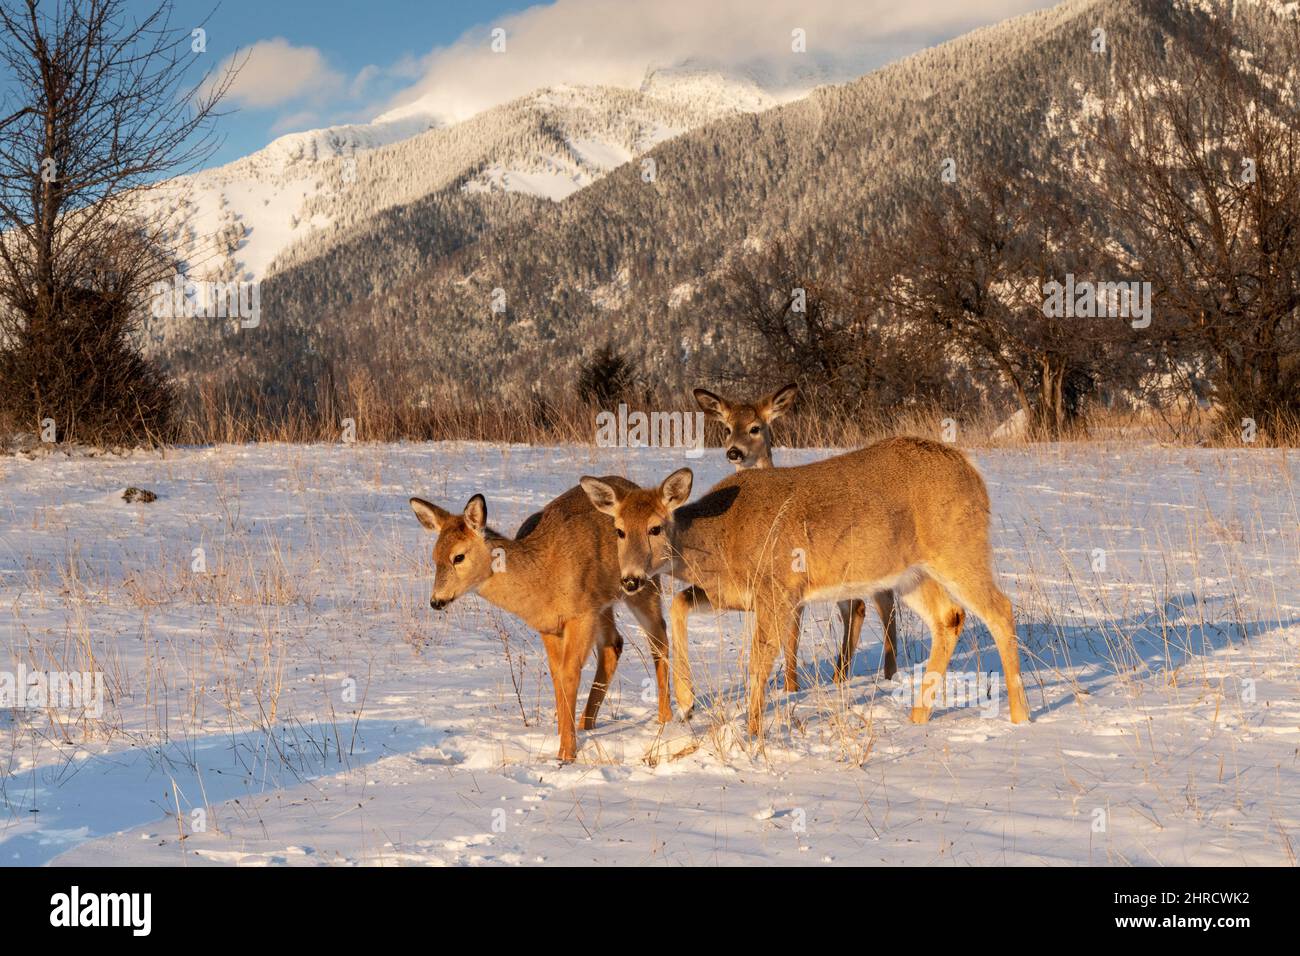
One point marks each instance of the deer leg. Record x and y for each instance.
(769, 626)
(888, 609)
(567, 654)
(851, 615)
(648, 611)
(986, 601)
(944, 619)
(609, 647)
(554, 644)
(791, 642)
(995, 609)
(692, 600)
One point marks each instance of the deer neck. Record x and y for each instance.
(690, 543)
(517, 577)
(762, 461)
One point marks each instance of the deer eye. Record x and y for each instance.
(458, 559)
(657, 529)
(755, 430)
(620, 533)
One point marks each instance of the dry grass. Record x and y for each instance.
(211, 417)
(225, 414)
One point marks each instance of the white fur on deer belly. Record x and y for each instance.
(902, 582)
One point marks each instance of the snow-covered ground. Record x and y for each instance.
(1158, 602)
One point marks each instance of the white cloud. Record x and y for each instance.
(364, 77)
(277, 72)
(295, 122)
(613, 42)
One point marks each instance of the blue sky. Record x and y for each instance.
(314, 64)
(388, 36)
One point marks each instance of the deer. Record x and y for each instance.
(560, 576)
(749, 445)
(768, 540)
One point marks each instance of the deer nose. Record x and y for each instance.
(437, 603)
(632, 584)
(734, 454)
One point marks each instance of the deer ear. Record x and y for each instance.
(676, 488)
(712, 404)
(779, 402)
(476, 514)
(603, 497)
(430, 515)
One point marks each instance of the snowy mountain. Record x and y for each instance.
(231, 221)
(402, 262)
(522, 292)
(471, 276)
(239, 220)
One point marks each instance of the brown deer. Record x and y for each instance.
(771, 539)
(560, 576)
(749, 445)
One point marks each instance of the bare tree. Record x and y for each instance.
(972, 265)
(814, 307)
(776, 294)
(100, 104)
(1199, 177)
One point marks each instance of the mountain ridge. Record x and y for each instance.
(523, 301)
(236, 221)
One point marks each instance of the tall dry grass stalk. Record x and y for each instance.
(213, 415)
